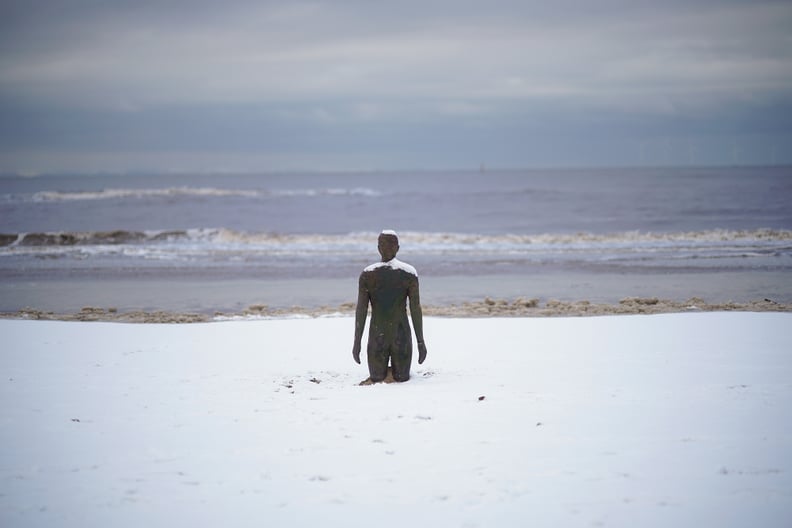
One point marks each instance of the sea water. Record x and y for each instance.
(223, 242)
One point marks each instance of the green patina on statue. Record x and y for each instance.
(387, 285)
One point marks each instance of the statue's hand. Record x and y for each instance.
(421, 352)
(356, 353)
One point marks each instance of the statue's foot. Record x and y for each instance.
(388, 379)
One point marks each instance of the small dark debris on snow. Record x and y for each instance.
(314, 380)
(481, 398)
(75, 420)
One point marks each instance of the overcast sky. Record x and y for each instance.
(348, 85)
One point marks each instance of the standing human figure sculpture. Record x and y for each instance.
(387, 285)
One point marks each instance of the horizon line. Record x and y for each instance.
(483, 169)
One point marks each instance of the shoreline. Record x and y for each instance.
(488, 307)
(209, 295)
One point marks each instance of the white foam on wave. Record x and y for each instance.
(629, 237)
(110, 194)
(357, 191)
(201, 192)
(427, 240)
(227, 244)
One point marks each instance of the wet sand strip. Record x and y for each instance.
(488, 307)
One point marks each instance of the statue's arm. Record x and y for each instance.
(360, 317)
(417, 317)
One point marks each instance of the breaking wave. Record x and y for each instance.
(87, 238)
(186, 192)
(415, 241)
(451, 253)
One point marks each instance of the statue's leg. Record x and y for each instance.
(401, 354)
(378, 354)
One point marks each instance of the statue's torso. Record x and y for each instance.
(388, 285)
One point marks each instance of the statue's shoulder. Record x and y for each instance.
(398, 264)
(374, 266)
(395, 264)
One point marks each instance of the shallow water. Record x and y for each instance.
(213, 242)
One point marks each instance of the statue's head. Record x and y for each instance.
(388, 245)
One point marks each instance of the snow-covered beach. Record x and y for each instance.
(661, 420)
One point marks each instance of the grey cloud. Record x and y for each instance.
(142, 53)
(403, 135)
(408, 83)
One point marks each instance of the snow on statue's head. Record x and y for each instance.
(388, 244)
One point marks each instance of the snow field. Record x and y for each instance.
(665, 420)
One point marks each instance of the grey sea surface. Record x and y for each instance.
(210, 243)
